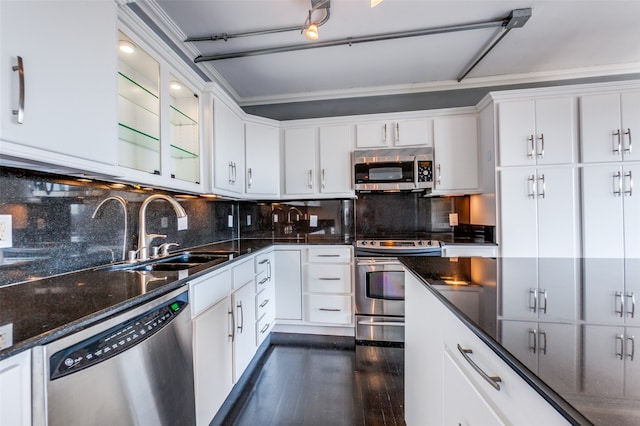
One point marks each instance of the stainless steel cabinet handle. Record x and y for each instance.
(20, 111)
(617, 189)
(533, 296)
(620, 298)
(532, 186)
(262, 281)
(620, 338)
(330, 309)
(532, 152)
(241, 322)
(628, 132)
(250, 177)
(384, 133)
(544, 307)
(269, 270)
(533, 340)
(235, 172)
(329, 279)
(263, 304)
(328, 255)
(492, 380)
(439, 179)
(619, 137)
(544, 186)
(543, 346)
(632, 312)
(310, 175)
(322, 179)
(630, 185)
(232, 322)
(263, 261)
(541, 139)
(397, 132)
(230, 173)
(265, 328)
(632, 353)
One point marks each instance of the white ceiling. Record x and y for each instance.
(562, 39)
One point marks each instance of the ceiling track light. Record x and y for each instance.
(315, 5)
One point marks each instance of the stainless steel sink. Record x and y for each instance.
(177, 262)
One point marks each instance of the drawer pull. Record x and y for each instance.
(262, 281)
(330, 309)
(265, 328)
(329, 279)
(263, 261)
(493, 380)
(328, 255)
(263, 304)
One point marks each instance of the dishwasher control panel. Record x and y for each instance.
(115, 340)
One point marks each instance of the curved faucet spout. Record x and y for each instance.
(123, 203)
(144, 239)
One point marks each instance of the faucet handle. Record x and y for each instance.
(133, 254)
(165, 248)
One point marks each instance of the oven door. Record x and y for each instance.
(379, 287)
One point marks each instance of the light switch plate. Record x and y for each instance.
(453, 219)
(6, 336)
(230, 221)
(6, 237)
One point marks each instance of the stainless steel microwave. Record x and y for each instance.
(401, 169)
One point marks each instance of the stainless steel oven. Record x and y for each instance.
(379, 300)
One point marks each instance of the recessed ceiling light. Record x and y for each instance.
(175, 85)
(126, 46)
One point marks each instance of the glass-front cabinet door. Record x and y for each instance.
(185, 134)
(138, 108)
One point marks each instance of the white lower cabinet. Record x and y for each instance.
(288, 288)
(437, 346)
(212, 343)
(244, 335)
(265, 295)
(15, 390)
(474, 409)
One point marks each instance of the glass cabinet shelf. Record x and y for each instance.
(137, 94)
(179, 118)
(138, 138)
(181, 153)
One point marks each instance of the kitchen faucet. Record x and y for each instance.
(288, 229)
(144, 239)
(123, 203)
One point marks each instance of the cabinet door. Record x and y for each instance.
(520, 338)
(69, 98)
(558, 289)
(516, 133)
(632, 291)
(603, 360)
(602, 211)
(213, 359)
(15, 390)
(518, 297)
(604, 290)
(557, 349)
(288, 271)
(335, 160)
(557, 203)
(228, 149)
(456, 153)
(262, 153)
(244, 342)
(555, 131)
(463, 404)
(184, 137)
(632, 363)
(300, 161)
(413, 133)
(373, 135)
(600, 127)
(631, 201)
(630, 124)
(518, 214)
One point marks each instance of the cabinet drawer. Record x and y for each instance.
(329, 255)
(516, 400)
(328, 278)
(242, 273)
(263, 280)
(263, 327)
(264, 263)
(329, 309)
(208, 290)
(266, 302)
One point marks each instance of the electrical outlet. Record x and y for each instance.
(164, 222)
(230, 221)
(248, 220)
(453, 219)
(6, 336)
(183, 223)
(6, 237)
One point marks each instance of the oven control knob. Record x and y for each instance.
(420, 243)
(364, 243)
(373, 243)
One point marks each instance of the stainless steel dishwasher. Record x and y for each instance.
(133, 369)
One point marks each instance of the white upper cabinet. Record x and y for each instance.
(184, 136)
(336, 144)
(607, 125)
(455, 154)
(300, 161)
(65, 67)
(318, 161)
(262, 156)
(386, 134)
(228, 149)
(538, 131)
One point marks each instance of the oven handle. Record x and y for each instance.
(372, 262)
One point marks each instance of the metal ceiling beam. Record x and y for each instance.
(354, 40)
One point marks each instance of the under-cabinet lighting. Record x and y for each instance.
(186, 196)
(126, 46)
(117, 185)
(209, 196)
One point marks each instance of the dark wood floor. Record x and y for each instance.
(303, 385)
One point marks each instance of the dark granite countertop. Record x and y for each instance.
(567, 345)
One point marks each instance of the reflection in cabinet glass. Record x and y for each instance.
(138, 108)
(185, 142)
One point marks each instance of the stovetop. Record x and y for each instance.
(398, 247)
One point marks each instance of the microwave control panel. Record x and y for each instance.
(425, 171)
